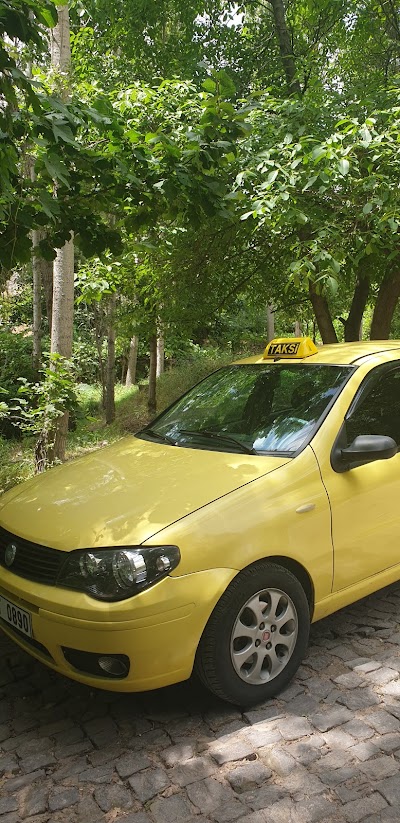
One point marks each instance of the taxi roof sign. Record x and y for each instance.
(290, 347)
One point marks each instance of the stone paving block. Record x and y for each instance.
(383, 722)
(71, 735)
(37, 761)
(211, 797)
(387, 742)
(352, 791)
(87, 811)
(63, 798)
(280, 761)
(324, 721)
(363, 751)
(5, 732)
(350, 680)
(8, 764)
(390, 789)
(333, 777)
(131, 764)
(293, 690)
(69, 767)
(192, 770)
(148, 783)
(261, 816)
(358, 729)
(112, 797)
(317, 661)
(99, 774)
(381, 677)
(338, 739)
(33, 746)
(13, 817)
(302, 783)
(34, 801)
(386, 816)
(135, 817)
(8, 804)
(247, 777)
(262, 715)
(363, 664)
(379, 767)
(305, 705)
(15, 783)
(392, 689)
(179, 753)
(230, 730)
(306, 753)
(356, 810)
(359, 699)
(262, 734)
(174, 809)
(227, 752)
(81, 747)
(264, 797)
(316, 810)
(292, 728)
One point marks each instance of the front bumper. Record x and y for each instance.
(158, 629)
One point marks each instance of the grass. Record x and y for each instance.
(17, 457)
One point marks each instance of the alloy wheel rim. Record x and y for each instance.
(264, 636)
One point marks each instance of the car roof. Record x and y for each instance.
(339, 354)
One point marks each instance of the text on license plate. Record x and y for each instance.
(16, 617)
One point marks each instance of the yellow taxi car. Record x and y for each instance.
(263, 499)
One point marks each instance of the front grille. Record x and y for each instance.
(33, 561)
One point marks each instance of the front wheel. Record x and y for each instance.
(256, 636)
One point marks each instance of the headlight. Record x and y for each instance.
(115, 574)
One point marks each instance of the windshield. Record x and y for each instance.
(251, 408)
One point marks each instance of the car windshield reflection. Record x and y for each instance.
(254, 408)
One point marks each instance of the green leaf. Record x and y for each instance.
(367, 208)
(310, 182)
(209, 85)
(344, 166)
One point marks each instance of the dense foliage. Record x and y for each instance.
(210, 160)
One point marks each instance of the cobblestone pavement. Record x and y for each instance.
(328, 749)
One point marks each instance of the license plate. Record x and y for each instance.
(16, 617)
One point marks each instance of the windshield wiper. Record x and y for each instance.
(219, 436)
(164, 438)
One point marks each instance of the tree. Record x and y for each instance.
(63, 269)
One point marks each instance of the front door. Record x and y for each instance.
(365, 501)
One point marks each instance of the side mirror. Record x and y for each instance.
(367, 448)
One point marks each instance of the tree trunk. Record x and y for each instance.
(99, 333)
(270, 323)
(62, 329)
(37, 303)
(352, 326)
(110, 371)
(151, 402)
(160, 352)
(63, 270)
(285, 46)
(130, 379)
(322, 315)
(385, 305)
(60, 48)
(46, 270)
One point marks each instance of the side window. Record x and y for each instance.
(379, 410)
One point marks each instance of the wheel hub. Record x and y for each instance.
(264, 636)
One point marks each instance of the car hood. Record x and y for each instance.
(125, 493)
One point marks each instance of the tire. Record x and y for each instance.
(256, 636)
